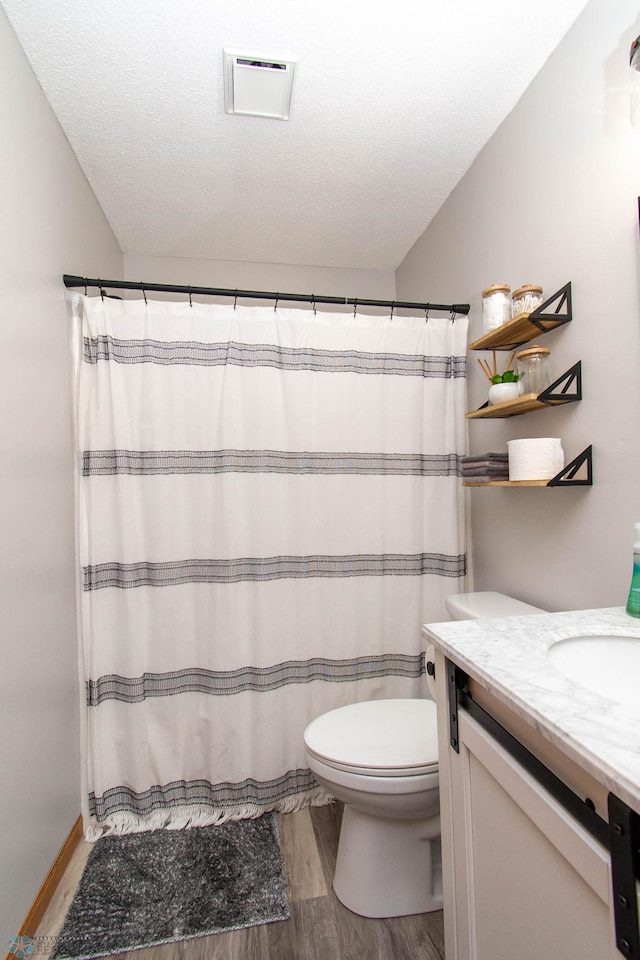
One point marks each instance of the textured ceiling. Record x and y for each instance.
(392, 102)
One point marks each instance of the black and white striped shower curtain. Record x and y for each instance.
(268, 508)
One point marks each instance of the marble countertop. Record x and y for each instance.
(508, 656)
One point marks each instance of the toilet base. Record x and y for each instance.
(388, 868)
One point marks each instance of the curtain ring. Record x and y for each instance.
(426, 314)
(393, 304)
(276, 306)
(85, 286)
(453, 315)
(313, 301)
(355, 307)
(101, 289)
(143, 293)
(190, 300)
(235, 299)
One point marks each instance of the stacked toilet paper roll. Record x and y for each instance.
(539, 458)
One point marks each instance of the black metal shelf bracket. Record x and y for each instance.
(541, 315)
(567, 476)
(560, 390)
(456, 679)
(624, 844)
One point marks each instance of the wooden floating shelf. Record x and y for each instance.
(514, 333)
(557, 393)
(510, 408)
(566, 477)
(505, 483)
(528, 326)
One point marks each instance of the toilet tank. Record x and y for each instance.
(485, 605)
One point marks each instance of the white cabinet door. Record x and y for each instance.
(523, 880)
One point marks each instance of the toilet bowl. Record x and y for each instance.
(380, 758)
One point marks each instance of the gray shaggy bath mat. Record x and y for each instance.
(163, 886)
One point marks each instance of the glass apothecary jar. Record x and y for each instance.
(496, 306)
(525, 299)
(534, 369)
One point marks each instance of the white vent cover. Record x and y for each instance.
(257, 86)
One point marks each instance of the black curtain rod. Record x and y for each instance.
(70, 281)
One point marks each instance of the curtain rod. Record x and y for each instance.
(71, 281)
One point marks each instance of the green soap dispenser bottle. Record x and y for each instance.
(633, 603)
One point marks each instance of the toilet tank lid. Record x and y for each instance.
(485, 604)
(386, 734)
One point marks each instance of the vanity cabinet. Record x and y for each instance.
(523, 880)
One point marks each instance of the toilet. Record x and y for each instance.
(380, 758)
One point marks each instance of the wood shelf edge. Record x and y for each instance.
(514, 333)
(508, 408)
(527, 403)
(505, 483)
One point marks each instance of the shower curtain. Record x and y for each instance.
(268, 508)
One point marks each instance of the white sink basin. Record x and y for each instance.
(608, 665)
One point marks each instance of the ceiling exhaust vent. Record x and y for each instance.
(257, 86)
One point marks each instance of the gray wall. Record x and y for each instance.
(330, 281)
(51, 224)
(553, 198)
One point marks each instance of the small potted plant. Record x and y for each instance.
(504, 386)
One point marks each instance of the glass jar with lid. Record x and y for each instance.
(534, 369)
(525, 299)
(496, 306)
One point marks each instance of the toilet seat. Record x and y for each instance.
(378, 738)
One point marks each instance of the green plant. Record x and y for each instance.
(509, 376)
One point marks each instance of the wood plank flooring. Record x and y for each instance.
(320, 928)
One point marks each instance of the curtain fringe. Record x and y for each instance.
(199, 815)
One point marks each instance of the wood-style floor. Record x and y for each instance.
(320, 928)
